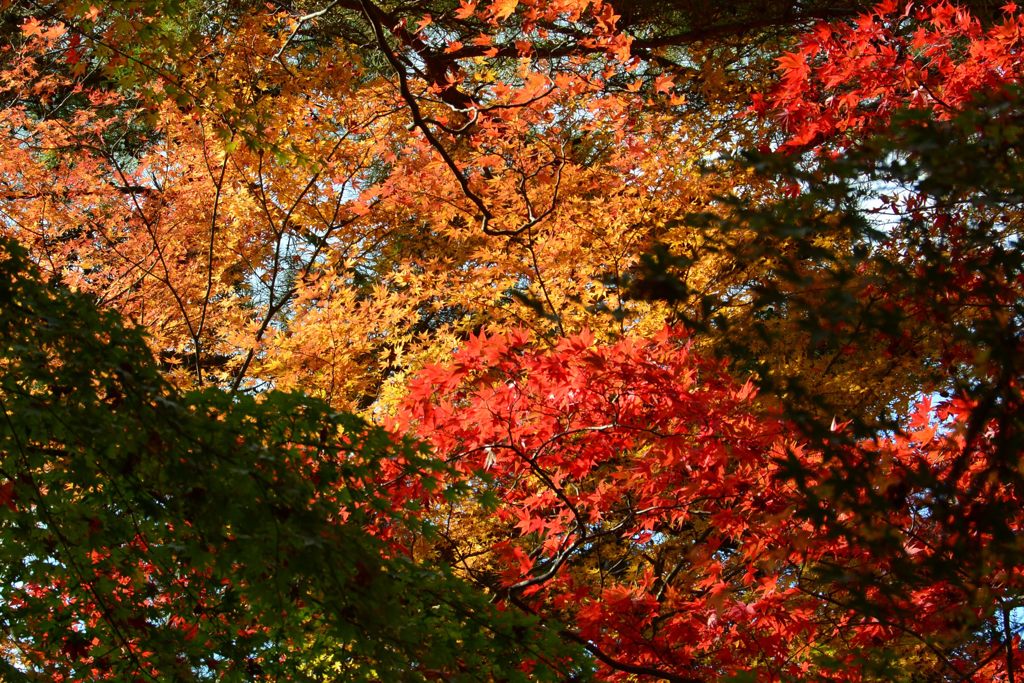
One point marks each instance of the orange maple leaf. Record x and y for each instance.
(465, 10)
(503, 9)
(663, 84)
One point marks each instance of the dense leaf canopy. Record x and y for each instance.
(511, 339)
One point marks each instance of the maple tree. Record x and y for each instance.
(334, 197)
(929, 281)
(639, 493)
(825, 318)
(552, 134)
(848, 78)
(154, 535)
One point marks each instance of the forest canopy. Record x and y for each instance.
(509, 340)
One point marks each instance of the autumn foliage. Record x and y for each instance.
(844, 80)
(511, 340)
(637, 492)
